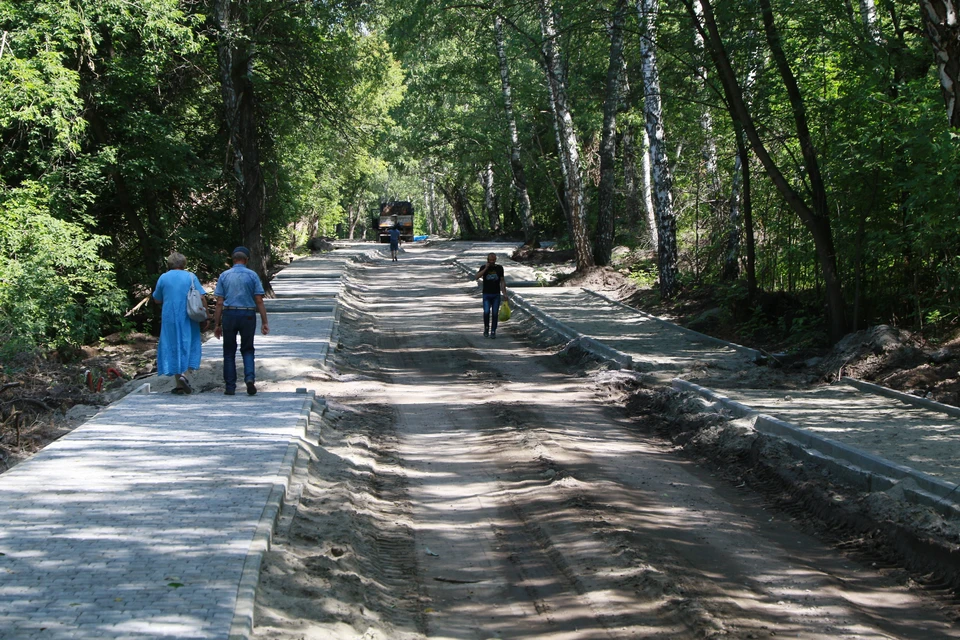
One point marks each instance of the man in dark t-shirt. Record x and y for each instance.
(494, 284)
(394, 242)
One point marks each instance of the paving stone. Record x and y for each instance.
(207, 467)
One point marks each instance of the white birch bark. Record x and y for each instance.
(868, 15)
(489, 198)
(567, 135)
(731, 266)
(662, 191)
(647, 181)
(516, 165)
(564, 169)
(940, 17)
(710, 162)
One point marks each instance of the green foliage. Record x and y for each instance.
(55, 289)
(112, 126)
(644, 274)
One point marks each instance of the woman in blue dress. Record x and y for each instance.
(179, 347)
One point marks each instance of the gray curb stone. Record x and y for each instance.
(924, 403)
(242, 626)
(863, 470)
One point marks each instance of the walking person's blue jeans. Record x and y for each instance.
(244, 323)
(491, 303)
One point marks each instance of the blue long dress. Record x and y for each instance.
(179, 347)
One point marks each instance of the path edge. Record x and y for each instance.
(924, 403)
(861, 469)
(241, 628)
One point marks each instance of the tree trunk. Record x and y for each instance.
(647, 174)
(567, 137)
(868, 15)
(564, 170)
(353, 216)
(731, 262)
(516, 165)
(940, 17)
(747, 206)
(662, 191)
(814, 217)
(431, 205)
(606, 218)
(456, 196)
(741, 220)
(709, 152)
(631, 192)
(490, 198)
(240, 119)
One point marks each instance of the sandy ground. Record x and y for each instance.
(471, 488)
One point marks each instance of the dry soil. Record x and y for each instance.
(477, 488)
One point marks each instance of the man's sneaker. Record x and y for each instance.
(229, 392)
(486, 334)
(251, 389)
(493, 335)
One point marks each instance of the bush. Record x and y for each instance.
(55, 290)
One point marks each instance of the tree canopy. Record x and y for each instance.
(803, 149)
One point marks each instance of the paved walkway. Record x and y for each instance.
(139, 522)
(149, 520)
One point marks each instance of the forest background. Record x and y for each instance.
(797, 160)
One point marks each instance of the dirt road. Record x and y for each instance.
(476, 488)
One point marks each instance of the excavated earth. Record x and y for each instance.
(515, 488)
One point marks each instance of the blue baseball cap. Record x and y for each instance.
(242, 251)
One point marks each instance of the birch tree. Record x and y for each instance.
(568, 147)
(710, 161)
(490, 198)
(646, 174)
(868, 16)
(567, 135)
(516, 164)
(942, 23)
(662, 188)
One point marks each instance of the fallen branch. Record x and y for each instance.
(140, 305)
(10, 385)
(38, 403)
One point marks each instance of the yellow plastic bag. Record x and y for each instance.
(504, 311)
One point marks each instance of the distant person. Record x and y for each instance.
(494, 285)
(239, 297)
(394, 242)
(179, 348)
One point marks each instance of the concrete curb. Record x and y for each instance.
(753, 353)
(923, 403)
(242, 626)
(863, 470)
(586, 342)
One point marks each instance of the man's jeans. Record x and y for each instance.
(491, 302)
(245, 323)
